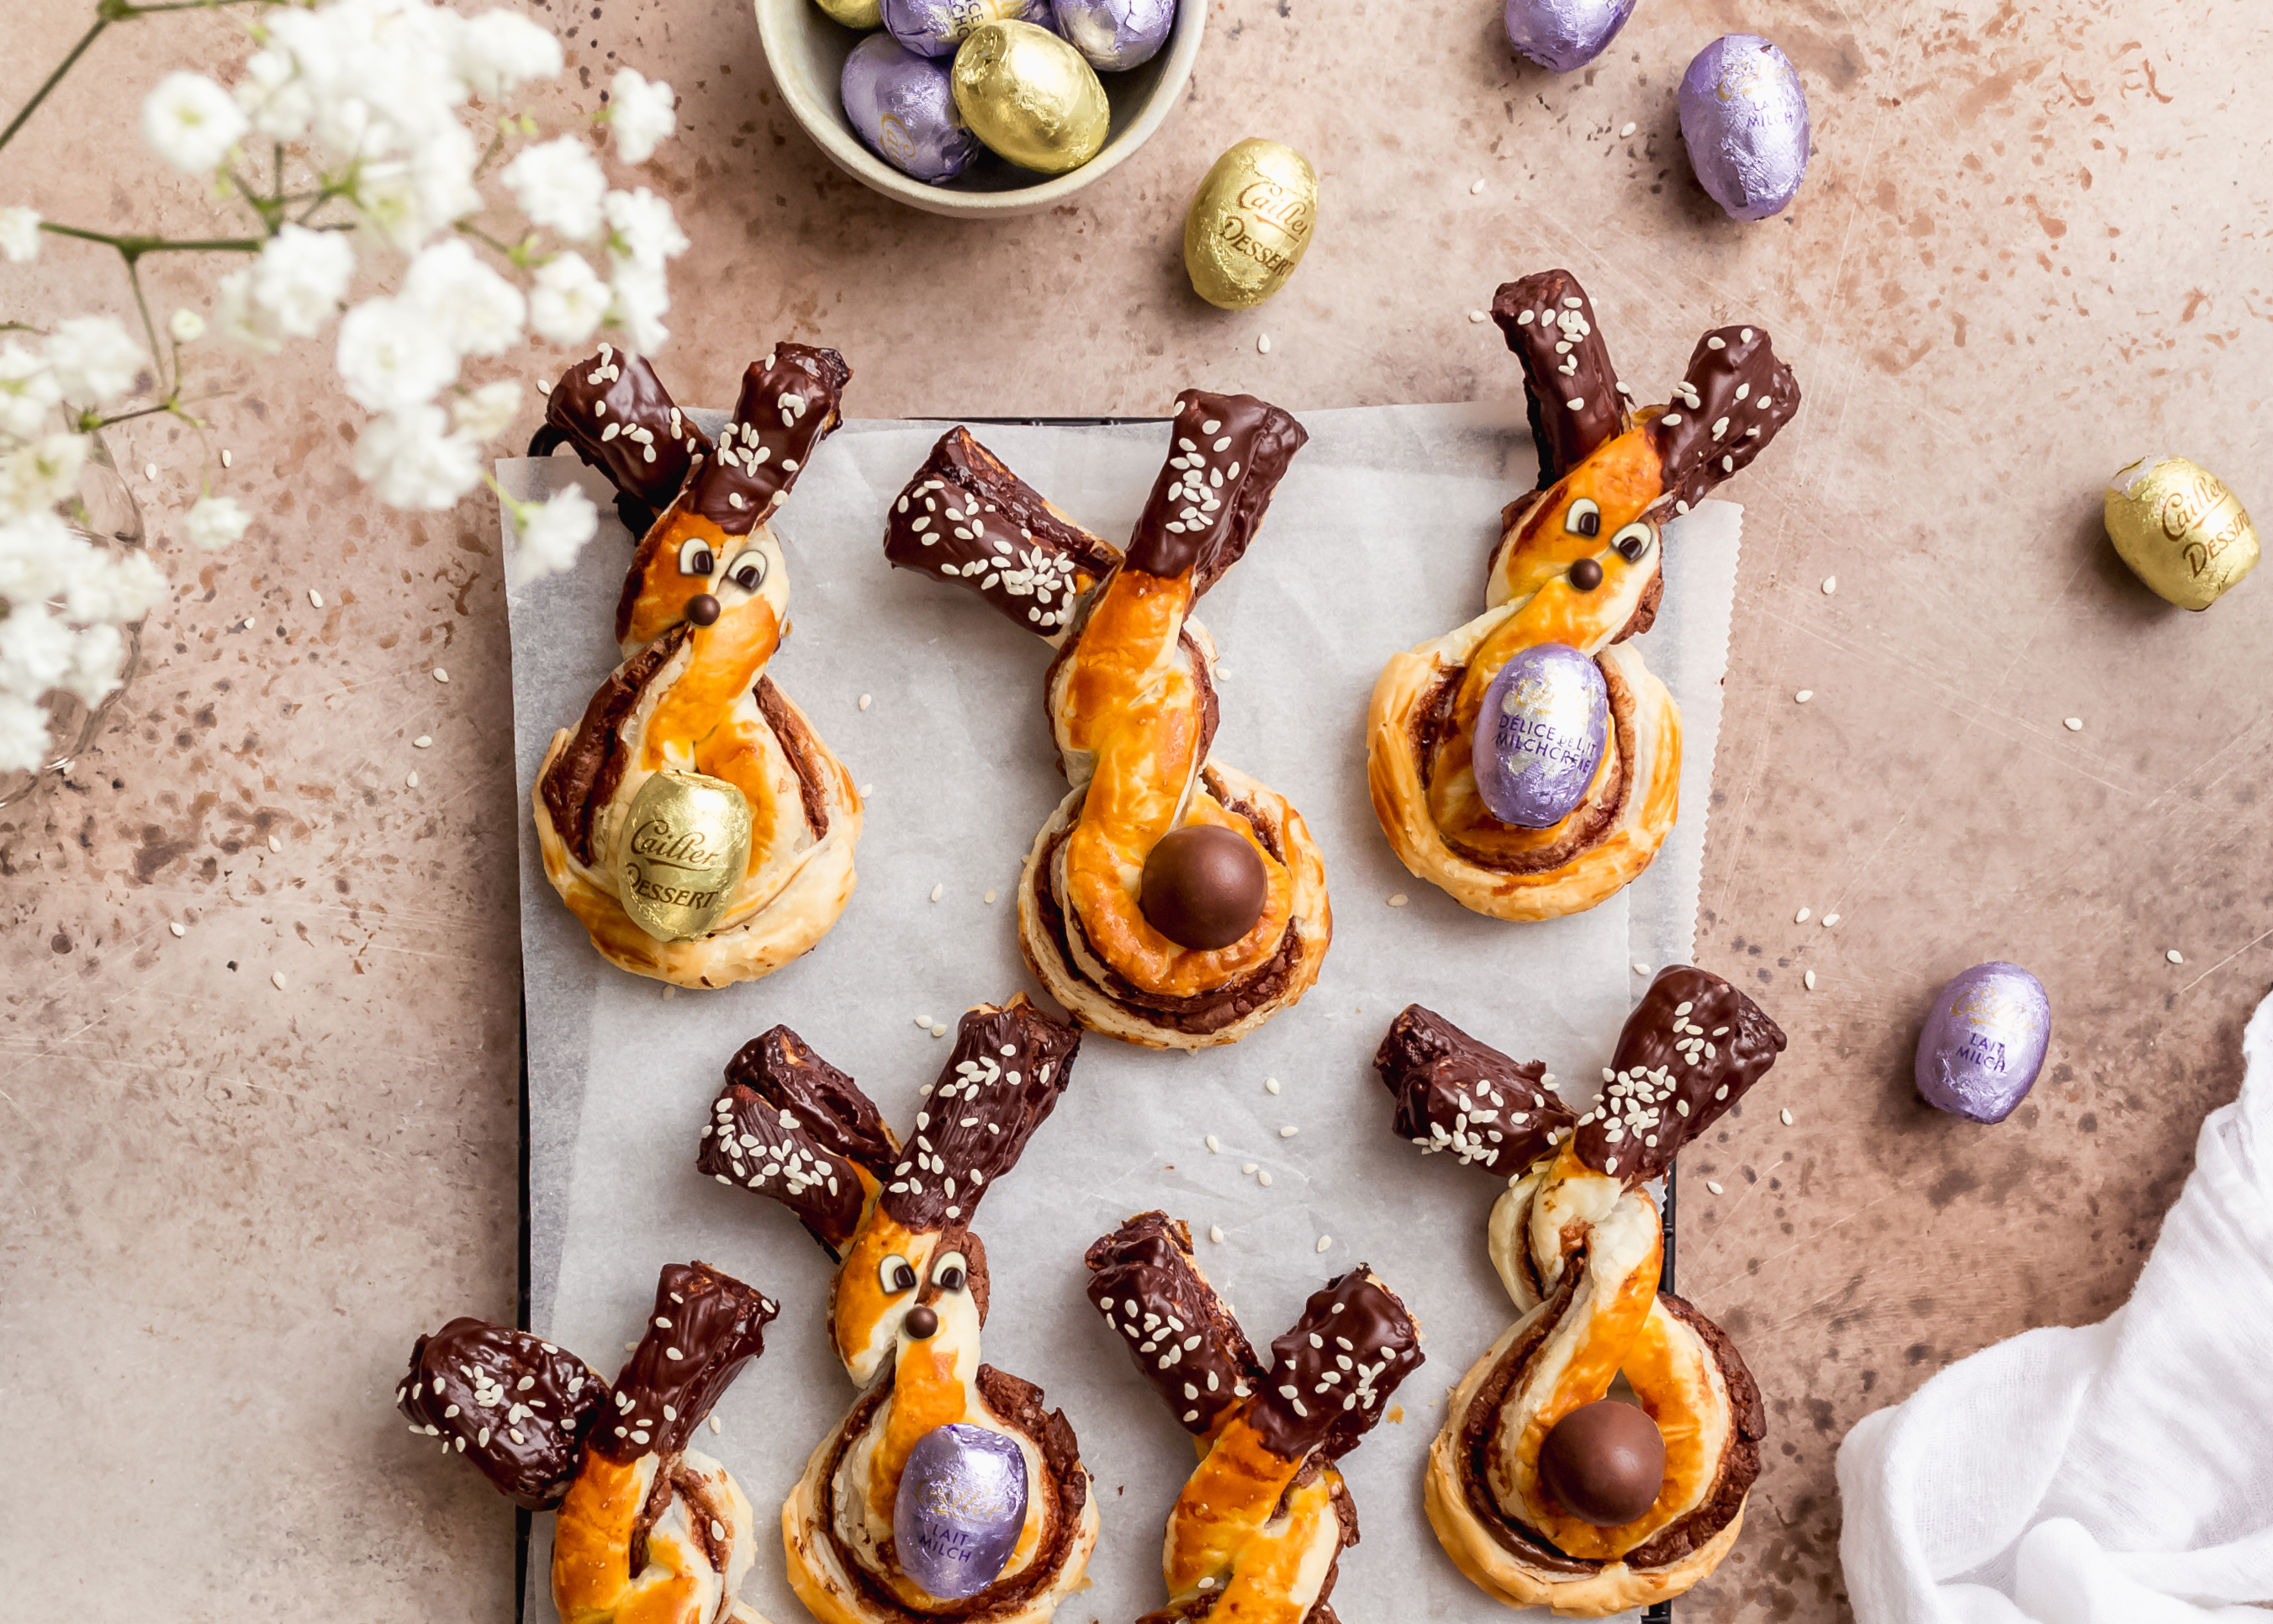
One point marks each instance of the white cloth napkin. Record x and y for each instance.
(2121, 1473)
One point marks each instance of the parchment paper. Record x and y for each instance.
(1377, 541)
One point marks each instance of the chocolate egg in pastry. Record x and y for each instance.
(1132, 705)
(1258, 1529)
(1579, 564)
(649, 1531)
(905, 1310)
(1534, 1485)
(694, 822)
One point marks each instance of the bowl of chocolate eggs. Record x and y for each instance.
(980, 107)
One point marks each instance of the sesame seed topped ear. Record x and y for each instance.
(1576, 403)
(1688, 1052)
(1455, 1094)
(705, 1326)
(790, 1126)
(789, 405)
(615, 414)
(1226, 453)
(1144, 1280)
(515, 1407)
(1730, 402)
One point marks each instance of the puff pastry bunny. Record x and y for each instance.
(1578, 1243)
(649, 1531)
(704, 608)
(1258, 1533)
(1132, 705)
(1579, 564)
(909, 1299)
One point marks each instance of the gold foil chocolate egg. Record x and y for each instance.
(2180, 530)
(1249, 223)
(685, 848)
(855, 13)
(1030, 96)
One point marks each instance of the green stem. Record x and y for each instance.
(135, 247)
(53, 79)
(149, 327)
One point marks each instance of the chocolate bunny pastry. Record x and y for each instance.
(694, 822)
(947, 1492)
(1171, 901)
(649, 1531)
(1503, 768)
(1258, 1533)
(1543, 1490)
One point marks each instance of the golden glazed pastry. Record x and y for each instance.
(1577, 1241)
(704, 608)
(907, 1304)
(1171, 901)
(1258, 1533)
(1579, 564)
(649, 1531)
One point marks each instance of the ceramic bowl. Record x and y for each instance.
(807, 52)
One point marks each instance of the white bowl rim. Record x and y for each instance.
(820, 121)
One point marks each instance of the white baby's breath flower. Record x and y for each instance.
(97, 652)
(40, 557)
(35, 650)
(487, 412)
(112, 587)
(642, 228)
(186, 325)
(19, 234)
(560, 185)
(498, 52)
(476, 311)
(93, 359)
(215, 521)
(548, 535)
(569, 300)
(391, 358)
(299, 278)
(640, 297)
(192, 123)
(242, 321)
(641, 113)
(406, 200)
(28, 390)
(40, 472)
(274, 96)
(409, 459)
(23, 734)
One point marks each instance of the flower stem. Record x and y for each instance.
(53, 79)
(135, 247)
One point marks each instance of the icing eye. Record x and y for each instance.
(1585, 517)
(749, 573)
(950, 1273)
(695, 557)
(897, 1276)
(1633, 541)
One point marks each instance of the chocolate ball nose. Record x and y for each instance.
(1203, 887)
(703, 609)
(1585, 575)
(1605, 1461)
(922, 1322)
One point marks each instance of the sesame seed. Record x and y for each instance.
(1576, 403)
(1263, 1180)
(248, 622)
(1627, 129)
(1830, 585)
(315, 599)
(1786, 1114)
(1479, 315)
(1476, 190)
(1808, 980)
(149, 470)
(1399, 899)
(424, 741)
(1803, 916)
(2074, 724)
(867, 789)
(939, 1029)
(1802, 696)
(1325, 1242)
(939, 890)
(1830, 919)
(924, 1021)
(718, 1529)
(1288, 1131)
(228, 457)
(410, 780)
(867, 700)
(1214, 1145)
(1271, 1085)
(1215, 1233)
(1640, 969)
(715, 1425)
(441, 676)
(274, 844)
(2175, 956)
(1713, 1187)
(175, 929)
(990, 895)
(1249, 1168)
(279, 980)
(1263, 343)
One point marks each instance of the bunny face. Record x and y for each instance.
(888, 1273)
(1599, 510)
(687, 557)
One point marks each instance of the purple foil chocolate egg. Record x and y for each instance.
(1116, 34)
(1985, 1042)
(903, 106)
(1563, 34)
(936, 27)
(1540, 735)
(961, 1505)
(1744, 118)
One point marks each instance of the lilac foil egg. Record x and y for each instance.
(1564, 35)
(936, 27)
(903, 106)
(1116, 34)
(1985, 1042)
(1744, 118)
(961, 1505)
(1540, 735)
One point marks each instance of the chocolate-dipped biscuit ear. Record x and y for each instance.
(1334, 1370)
(1576, 401)
(1688, 1052)
(1457, 1094)
(791, 1126)
(789, 404)
(1730, 402)
(965, 517)
(615, 414)
(705, 1326)
(1226, 453)
(1144, 1280)
(509, 1403)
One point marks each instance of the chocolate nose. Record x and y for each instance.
(703, 609)
(1585, 575)
(922, 1322)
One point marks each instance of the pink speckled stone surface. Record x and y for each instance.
(2032, 246)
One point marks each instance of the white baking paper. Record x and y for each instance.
(1376, 540)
